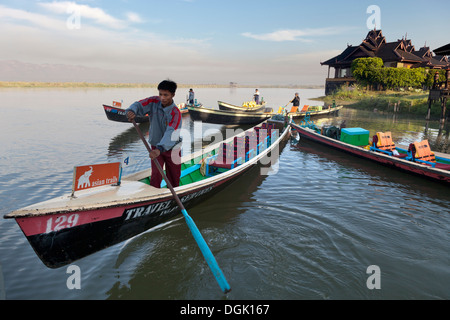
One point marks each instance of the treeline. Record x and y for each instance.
(371, 72)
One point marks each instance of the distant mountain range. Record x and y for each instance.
(12, 70)
(18, 71)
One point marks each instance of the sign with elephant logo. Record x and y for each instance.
(95, 175)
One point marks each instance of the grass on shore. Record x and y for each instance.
(407, 102)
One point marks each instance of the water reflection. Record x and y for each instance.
(121, 143)
(166, 263)
(439, 143)
(309, 231)
(376, 172)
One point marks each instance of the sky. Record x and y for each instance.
(277, 42)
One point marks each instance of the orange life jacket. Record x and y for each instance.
(385, 141)
(423, 151)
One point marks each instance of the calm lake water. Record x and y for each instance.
(309, 230)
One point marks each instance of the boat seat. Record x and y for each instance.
(263, 133)
(305, 108)
(184, 173)
(294, 109)
(382, 142)
(268, 127)
(226, 158)
(421, 152)
(243, 148)
(252, 140)
(271, 131)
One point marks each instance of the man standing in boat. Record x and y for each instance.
(191, 97)
(164, 132)
(296, 101)
(256, 96)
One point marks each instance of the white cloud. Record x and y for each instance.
(134, 17)
(293, 35)
(8, 14)
(49, 40)
(85, 12)
(100, 43)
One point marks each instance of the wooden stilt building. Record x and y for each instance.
(397, 54)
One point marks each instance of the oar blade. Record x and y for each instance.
(207, 254)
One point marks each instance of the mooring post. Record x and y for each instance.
(430, 96)
(447, 78)
(443, 112)
(444, 97)
(429, 109)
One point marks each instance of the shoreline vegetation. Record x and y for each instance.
(35, 84)
(413, 101)
(389, 89)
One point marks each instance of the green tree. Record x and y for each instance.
(367, 71)
(371, 72)
(429, 78)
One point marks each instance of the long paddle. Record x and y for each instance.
(209, 257)
(287, 112)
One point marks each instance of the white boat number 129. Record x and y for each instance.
(61, 222)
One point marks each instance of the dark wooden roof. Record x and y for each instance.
(424, 52)
(444, 50)
(397, 52)
(375, 45)
(441, 58)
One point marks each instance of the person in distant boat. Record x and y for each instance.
(256, 96)
(164, 132)
(296, 101)
(191, 97)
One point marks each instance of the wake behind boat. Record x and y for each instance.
(101, 212)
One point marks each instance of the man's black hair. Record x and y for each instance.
(168, 85)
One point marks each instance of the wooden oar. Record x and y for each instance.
(209, 257)
(287, 112)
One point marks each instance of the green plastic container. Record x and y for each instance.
(355, 136)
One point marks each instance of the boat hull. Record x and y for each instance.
(226, 117)
(68, 228)
(119, 115)
(316, 113)
(229, 107)
(438, 175)
(122, 223)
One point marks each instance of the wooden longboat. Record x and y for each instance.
(404, 163)
(72, 226)
(230, 107)
(119, 115)
(209, 115)
(326, 111)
